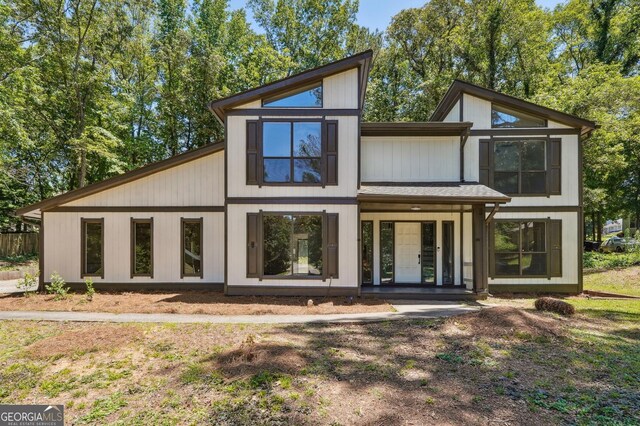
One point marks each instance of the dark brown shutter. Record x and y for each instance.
(555, 248)
(330, 152)
(253, 245)
(484, 161)
(554, 161)
(252, 152)
(331, 268)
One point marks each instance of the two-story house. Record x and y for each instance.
(303, 198)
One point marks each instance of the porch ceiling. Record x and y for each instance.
(444, 193)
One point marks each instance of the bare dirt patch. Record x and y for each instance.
(192, 302)
(504, 321)
(93, 339)
(251, 357)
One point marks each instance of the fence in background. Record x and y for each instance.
(18, 244)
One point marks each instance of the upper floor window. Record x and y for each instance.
(308, 97)
(520, 166)
(292, 151)
(502, 117)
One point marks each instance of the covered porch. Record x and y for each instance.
(425, 240)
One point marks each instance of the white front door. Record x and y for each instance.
(407, 254)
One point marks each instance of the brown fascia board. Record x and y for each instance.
(363, 59)
(123, 178)
(459, 87)
(430, 199)
(426, 128)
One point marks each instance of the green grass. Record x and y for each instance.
(625, 281)
(618, 310)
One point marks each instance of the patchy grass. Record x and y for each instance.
(191, 302)
(19, 263)
(621, 281)
(507, 365)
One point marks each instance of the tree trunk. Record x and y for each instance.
(593, 226)
(599, 229)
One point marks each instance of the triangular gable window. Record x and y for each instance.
(502, 117)
(308, 97)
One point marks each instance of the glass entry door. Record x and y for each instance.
(428, 255)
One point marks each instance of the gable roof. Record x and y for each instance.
(458, 87)
(361, 60)
(34, 210)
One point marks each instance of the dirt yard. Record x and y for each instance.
(499, 366)
(192, 302)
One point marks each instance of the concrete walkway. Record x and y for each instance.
(405, 309)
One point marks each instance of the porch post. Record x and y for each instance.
(480, 250)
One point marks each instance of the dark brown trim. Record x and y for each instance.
(535, 288)
(479, 245)
(137, 209)
(132, 257)
(225, 261)
(462, 284)
(221, 106)
(291, 291)
(293, 112)
(426, 128)
(292, 200)
(41, 255)
(517, 132)
(143, 286)
(407, 199)
(539, 209)
(459, 86)
(581, 215)
(123, 178)
(83, 247)
(199, 221)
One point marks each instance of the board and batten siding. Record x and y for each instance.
(341, 90)
(410, 159)
(62, 245)
(570, 245)
(454, 216)
(196, 183)
(478, 111)
(347, 245)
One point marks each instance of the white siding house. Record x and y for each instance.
(303, 198)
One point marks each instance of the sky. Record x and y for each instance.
(373, 14)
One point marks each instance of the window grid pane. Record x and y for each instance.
(520, 166)
(301, 160)
(520, 248)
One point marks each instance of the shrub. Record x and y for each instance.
(90, 290)
(29, 281)
(58, 287)
(554, 305)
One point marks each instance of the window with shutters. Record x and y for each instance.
(292, 245)
(521, 166)
(526, 248)
(292, 152)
